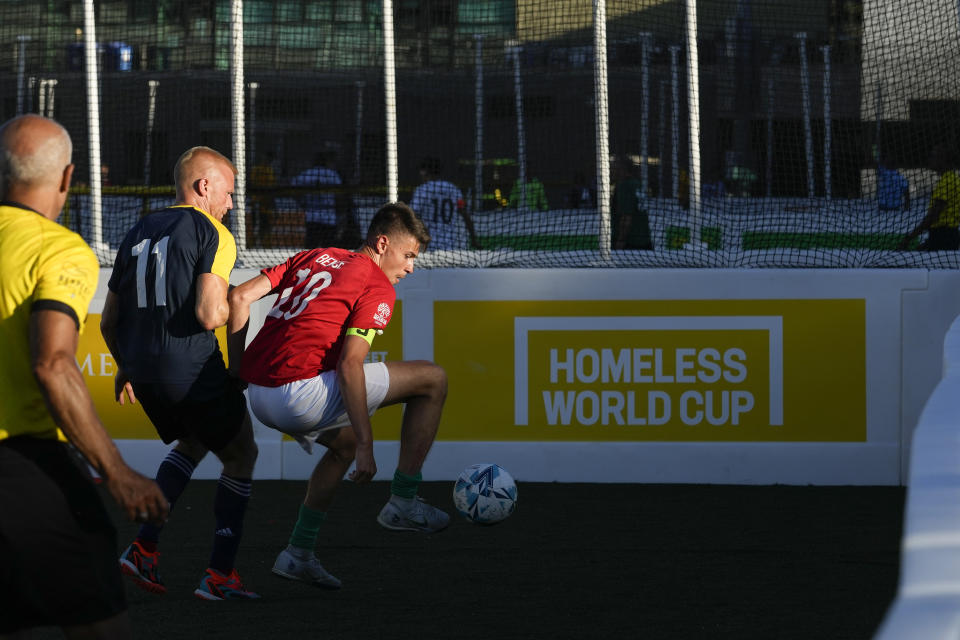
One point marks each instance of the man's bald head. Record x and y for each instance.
(34, 152)
(205, 179)
(196, 163)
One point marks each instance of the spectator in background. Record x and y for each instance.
(536, 195)
(495, 192)
(893, 189)
(629, 219)
(740, 179)
(683, 188)
(263, 179)
(583, 194)
(713, 189)
(321, 217)
(943, 212)
(440, 204)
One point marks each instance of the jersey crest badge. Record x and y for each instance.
(383, 313)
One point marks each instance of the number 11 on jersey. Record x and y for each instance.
(141, 251)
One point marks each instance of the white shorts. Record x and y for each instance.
(304, 408)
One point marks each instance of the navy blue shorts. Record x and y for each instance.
(58, 546)
(176, 411)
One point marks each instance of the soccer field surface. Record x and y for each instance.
(574, 561)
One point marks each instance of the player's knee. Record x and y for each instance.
(249, 455)
(240, 455)
(438, 381)
(250, 452)
(346, 445)
(345, 454)
(192, 449)
(248, 449)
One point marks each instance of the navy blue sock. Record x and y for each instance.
(172, 477)
(229, 507)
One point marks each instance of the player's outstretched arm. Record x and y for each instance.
(53, 345)
(240, 298)
(211, 308)
(353, 386)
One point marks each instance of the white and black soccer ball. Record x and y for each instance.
(485, 493)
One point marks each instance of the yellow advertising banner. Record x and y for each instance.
(127, 422)
(665, 370)
(130, 422)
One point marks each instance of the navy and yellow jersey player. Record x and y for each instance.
(154, 277)
(43, 265)
(166, 295)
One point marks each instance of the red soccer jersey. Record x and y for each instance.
(323, 292)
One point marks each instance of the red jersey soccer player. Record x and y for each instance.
(307, 375)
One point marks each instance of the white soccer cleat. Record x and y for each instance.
(305, 569)
(413, 514)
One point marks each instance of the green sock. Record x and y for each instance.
(308, 524)
(405, 486)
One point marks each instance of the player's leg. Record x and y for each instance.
(341, 447)
(422, 385)
(141, 559)
(311, 411)
(239, 455)
(298, 561)
(223, 425)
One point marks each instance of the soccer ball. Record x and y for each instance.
(485, 493)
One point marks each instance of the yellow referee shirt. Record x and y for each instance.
(43, 265)
(948, 190)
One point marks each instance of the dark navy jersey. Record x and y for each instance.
(155, 278)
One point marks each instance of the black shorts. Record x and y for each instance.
(213, 419)
(58, 546)
(942, 239)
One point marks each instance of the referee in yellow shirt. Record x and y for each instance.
(943, 213)
(57, 542)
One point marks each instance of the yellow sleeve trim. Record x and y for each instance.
(226, 256)
(366, 334)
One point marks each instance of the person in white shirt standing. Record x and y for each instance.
(440, 205)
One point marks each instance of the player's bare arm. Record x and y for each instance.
(53, 343)
(353, 386)
(239, 299)
(109, 319)
(211, 309)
